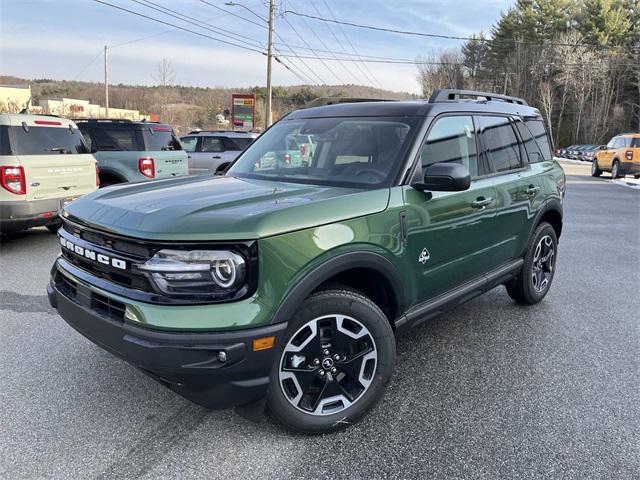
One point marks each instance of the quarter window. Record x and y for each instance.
(452, 140)
(500, 142)
(536, 127)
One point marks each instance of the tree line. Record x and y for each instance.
(578, 61)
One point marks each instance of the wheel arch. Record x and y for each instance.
(112, 174)
(368, 273)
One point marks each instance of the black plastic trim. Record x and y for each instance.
(341, 263)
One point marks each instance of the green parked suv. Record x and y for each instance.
(281, 287)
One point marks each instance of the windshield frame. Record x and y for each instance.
(415, 122)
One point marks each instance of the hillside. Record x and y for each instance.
(187, 107)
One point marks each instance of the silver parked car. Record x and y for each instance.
(210, 151)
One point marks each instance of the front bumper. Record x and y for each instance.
(187, 362)
(15, 216)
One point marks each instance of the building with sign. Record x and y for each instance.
(243, 113)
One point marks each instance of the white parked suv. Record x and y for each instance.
(211, 151)
(44, 165)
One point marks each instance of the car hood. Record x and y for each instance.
(219, 208)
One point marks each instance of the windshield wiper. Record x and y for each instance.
(58, 149)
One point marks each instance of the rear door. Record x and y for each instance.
(605, 157)
(518, 186)
(54, 157)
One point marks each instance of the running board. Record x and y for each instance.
(424, 311)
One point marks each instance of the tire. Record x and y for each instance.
(615, 169)
(636, 176)
(329, 392)
(595, 171)
(534, 281)
(54, 227)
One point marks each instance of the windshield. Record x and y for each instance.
(41, 141)
(358, 152)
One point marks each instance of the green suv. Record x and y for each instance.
(281, 287)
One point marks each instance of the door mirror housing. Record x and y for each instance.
(445, 177)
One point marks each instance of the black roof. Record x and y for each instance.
(441, 102)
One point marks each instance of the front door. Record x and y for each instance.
(450, 234)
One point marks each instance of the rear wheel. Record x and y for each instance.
(615, 169)
(534, 281)
(595, 171)
(636, 176)
(333, 364)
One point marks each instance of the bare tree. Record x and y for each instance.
(444, 70)
(165, 77)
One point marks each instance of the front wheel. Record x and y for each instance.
(333, 364)
(534, 281)
(595, 171)
(615, 169)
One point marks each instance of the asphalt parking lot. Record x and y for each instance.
(490, 390)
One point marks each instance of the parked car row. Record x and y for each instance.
(48, 161)
(585, 153)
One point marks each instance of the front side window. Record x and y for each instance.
(44, 140)
(360, 152)
(189, 143)
(500, 142)
(635, 142)
(452, 139)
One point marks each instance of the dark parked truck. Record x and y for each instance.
(134, 151)
(281, 287)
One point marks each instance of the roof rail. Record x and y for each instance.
(454, 95)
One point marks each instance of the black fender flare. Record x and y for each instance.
(554, 204)
(113, 173)
(340, 263)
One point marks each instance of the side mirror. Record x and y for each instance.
(445, 177)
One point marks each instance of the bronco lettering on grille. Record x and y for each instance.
(94, 256)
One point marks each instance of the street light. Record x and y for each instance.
(267, 120)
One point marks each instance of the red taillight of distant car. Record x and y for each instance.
(97, 176)
(628, 155)
(13, 180)
(147, 167)
(287, 158)
(303, 149)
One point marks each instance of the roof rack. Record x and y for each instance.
(321, 101)
(454, 95)
(123, 120)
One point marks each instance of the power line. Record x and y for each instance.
(200, 34)
(88, 65)
(198, 23)
(234, 14)
(314, 52)
(447, 37)
(344, 34)
(343, 65)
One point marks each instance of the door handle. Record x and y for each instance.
(532, 190)
(216, 157)
(481, 202)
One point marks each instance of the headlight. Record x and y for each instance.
(196, 272)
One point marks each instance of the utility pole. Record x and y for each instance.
(106, 82)
(267, 120)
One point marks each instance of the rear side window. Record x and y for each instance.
(116, 139)
(42, 141)
(212, 144)
(531, 147)
(500, 143)
(236, 143)
(536, 127)
(160, 138)
(452, 139)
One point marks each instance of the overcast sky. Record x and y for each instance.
(60, 38)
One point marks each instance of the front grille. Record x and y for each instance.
(101, 305)
(130, 251)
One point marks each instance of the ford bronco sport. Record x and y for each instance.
(134, 151)
(282, 288)
(621, 156)
(44, 164)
